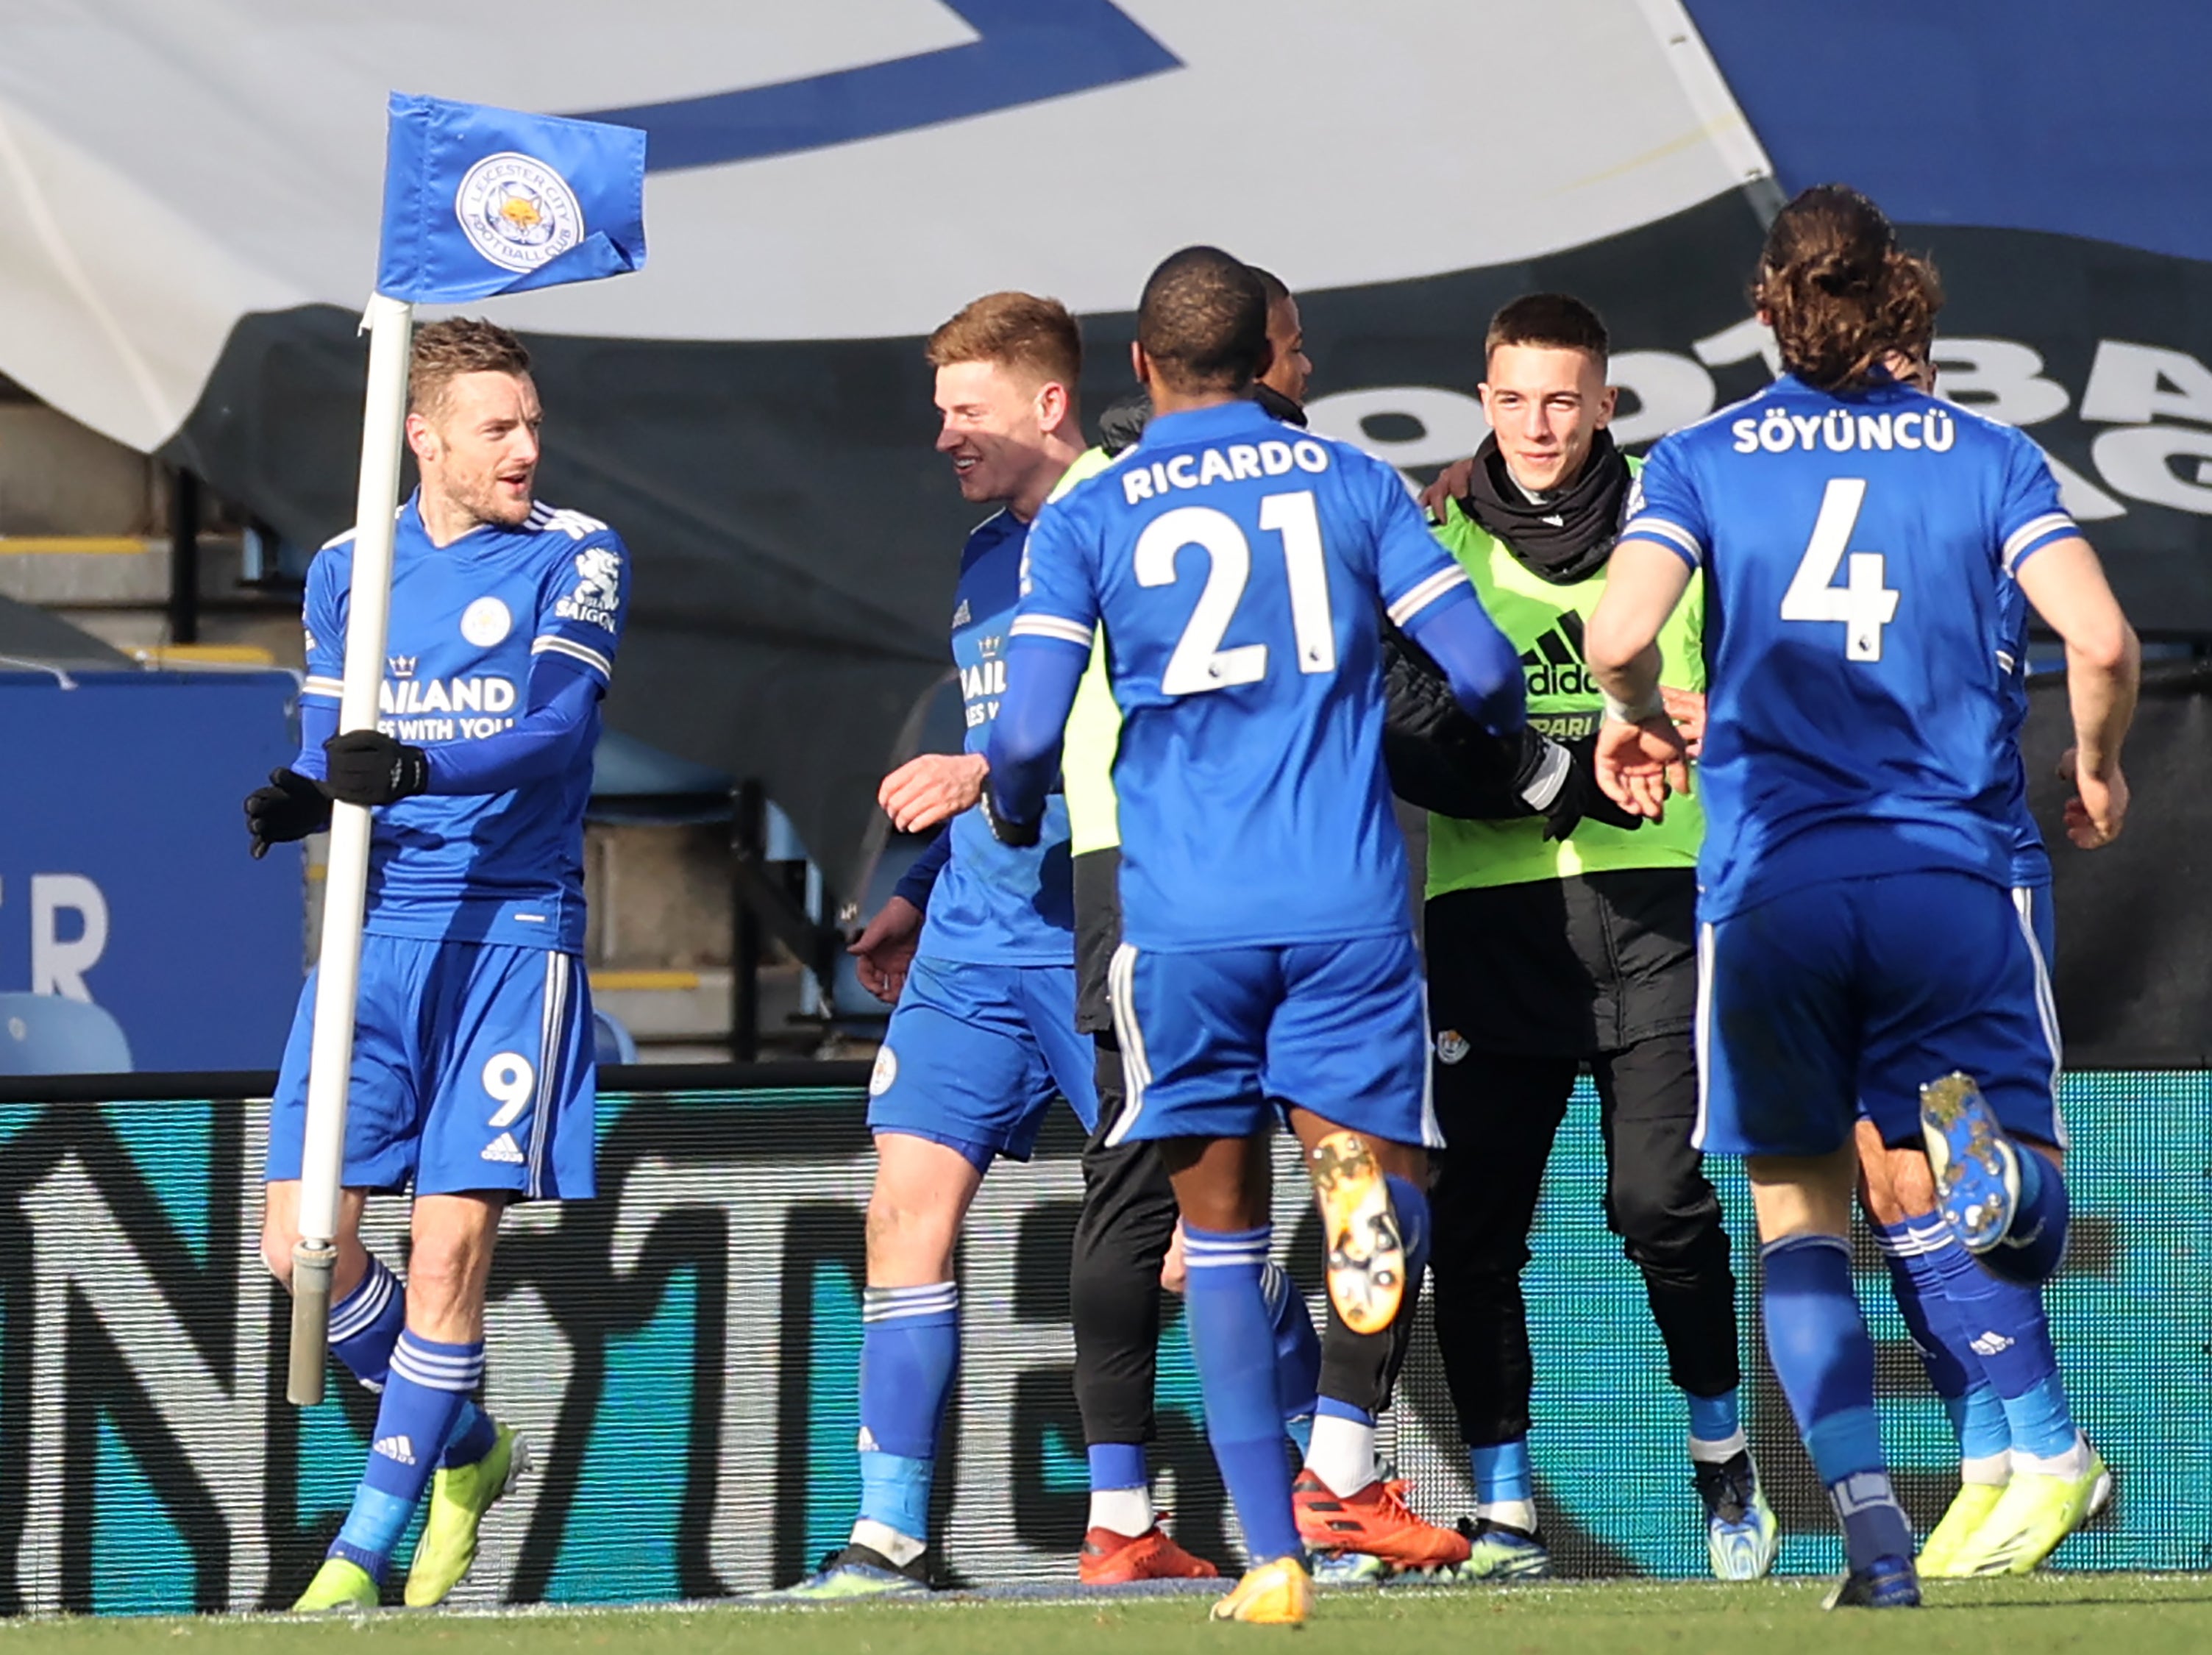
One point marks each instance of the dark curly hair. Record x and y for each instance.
(1841, 291)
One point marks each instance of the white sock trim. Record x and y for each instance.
(1341, 1454)
(1514, 1513)
(2072, 1464)
(901, 1549)
(1718, 1453)
(1126, 1512)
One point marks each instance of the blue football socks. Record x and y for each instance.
(1502, 1473)
(909, 1351)
(1233, 1342)
(2004, 1327)
(428, 1382)
(1817, 1339)
(364, 1327)
(2035, 1241)
(1919, 1251)
(1297, 1353)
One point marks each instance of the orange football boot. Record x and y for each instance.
(1115, 1559)
(1376, 1521)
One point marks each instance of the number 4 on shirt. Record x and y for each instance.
(1863, 603)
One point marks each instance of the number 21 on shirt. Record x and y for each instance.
(1198, 663)
(1863, 603)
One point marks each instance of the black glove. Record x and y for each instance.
(1442, 761)
(1021, 836)
(1576, 797)
(291, 807)
(367, 767)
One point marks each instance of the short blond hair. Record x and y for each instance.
(443, 351)
(1012, 330)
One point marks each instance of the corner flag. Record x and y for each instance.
(477, 201)
(480, 201)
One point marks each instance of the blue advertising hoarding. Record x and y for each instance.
(684, 1353)
(124, 874)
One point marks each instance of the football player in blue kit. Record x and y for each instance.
(473, 1074)
(1858, 937)
(1983, 1339)
(1239, 569)
(984, 1038)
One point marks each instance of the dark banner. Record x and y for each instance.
(2135, 941)
(682, 1352)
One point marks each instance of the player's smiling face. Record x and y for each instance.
(992, 429)
(477, 448)
(1547, 404)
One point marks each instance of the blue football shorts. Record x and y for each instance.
(976, 1054)
(1850, 995)
(473, 1069)
(1214, 1042)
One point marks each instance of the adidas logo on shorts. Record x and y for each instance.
(503, 1148)
(1991, 1344)
(401, 1449)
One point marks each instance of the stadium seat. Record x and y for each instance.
(610, 1041)
(46, 1034)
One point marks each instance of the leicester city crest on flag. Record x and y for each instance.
(480, 201)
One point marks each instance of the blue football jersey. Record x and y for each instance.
(467, 621)
(1240, 568)
(1855, 550)
(2030, 861)
(992, 904)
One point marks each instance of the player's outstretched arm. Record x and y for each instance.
(2104, 668)
(1486, 674)
(1640, 753)
(367, 767)
(1041, 676)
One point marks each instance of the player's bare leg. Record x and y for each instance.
(1223, 1187)
(922, 1194)
(447, 1275)
(280, 1234)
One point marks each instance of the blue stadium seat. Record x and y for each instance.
(610, 1041)
(46, 1034)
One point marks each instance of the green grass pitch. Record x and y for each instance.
(2090, 1615)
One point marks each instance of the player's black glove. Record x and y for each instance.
(367, 767)
(1021, 836)
(1442, 761)
(1578, 798)
(291, 807)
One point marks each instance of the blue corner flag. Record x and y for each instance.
(481, 201)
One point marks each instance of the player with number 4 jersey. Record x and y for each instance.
(1240, 570)
(1857, 935)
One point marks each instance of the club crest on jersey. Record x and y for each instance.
(1451, 1045)
(486, 621)
(517, 212)
(597, 592)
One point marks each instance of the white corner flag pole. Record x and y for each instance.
(390, 324)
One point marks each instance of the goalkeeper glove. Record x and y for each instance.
(368, 767)
(291, 807)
